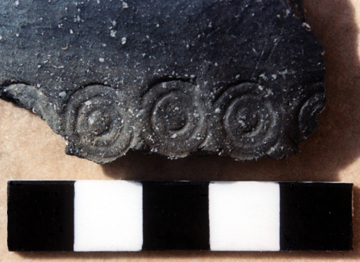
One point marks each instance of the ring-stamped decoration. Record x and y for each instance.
(97, 124)
(247, 122)
(175, 118)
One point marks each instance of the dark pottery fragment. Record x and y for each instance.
(236, 78)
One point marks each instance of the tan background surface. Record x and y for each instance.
(30, 150)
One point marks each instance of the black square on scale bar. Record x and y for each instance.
(175, 216)
(40, 215)
(315, 216)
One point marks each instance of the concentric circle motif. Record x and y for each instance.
(248, 121)
(309, 113)
(175, 118)
(97, 125)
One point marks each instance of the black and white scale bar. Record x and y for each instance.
(217, 216)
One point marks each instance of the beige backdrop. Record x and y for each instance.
(30, 150)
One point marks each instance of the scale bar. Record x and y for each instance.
(87, 216)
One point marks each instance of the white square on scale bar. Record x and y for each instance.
(244, 216)
(108, 216)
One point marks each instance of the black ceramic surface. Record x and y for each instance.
(237, 78)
